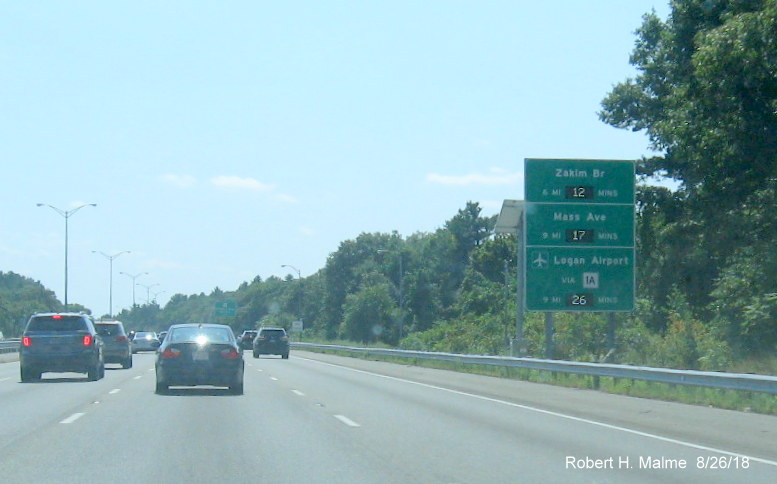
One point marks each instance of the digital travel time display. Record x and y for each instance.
(577, 300)
(580, 236)
(579, 192)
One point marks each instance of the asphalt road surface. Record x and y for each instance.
(326, 419)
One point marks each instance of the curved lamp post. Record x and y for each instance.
(294, 269)
(110, 286)
(133, 277)
(66, 214)
(148, 290)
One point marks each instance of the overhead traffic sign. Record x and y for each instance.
(579, 181)
(580, 225)
(579, 279)
(579, 235)
(225, 309)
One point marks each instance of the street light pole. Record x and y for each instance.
(294, 268)
(148, 291)
(110, 287)
(66, 214)
(133, 277)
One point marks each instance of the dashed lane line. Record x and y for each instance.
(347, 421)
(72, 418)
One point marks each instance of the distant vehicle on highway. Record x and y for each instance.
(246, 339)
(60, 342)
(271, 341)
(145, 341)
(200, 354)
(117, 345)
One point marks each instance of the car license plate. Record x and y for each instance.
(200, 355)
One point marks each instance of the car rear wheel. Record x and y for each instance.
(127, 363)
(28, 375)
(285, 356)
(256, 355)
(237, 389)
(161, 387)
(93, 374)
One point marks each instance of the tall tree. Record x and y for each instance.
(706, 95)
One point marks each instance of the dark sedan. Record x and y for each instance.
(200, 354)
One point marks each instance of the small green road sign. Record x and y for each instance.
(594, 225)
(579, 181)
(226, 309)
(579, 235)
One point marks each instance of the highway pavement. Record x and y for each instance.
(326, 419)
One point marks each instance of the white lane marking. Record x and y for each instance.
(347, 421)
(298, 393)
(260, 370)
(6, 378)
(273, 378)
(150, 370)
(114, 391)
(138, 377)
(561, 415)
(72, 418)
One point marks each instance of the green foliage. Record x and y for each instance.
(745, 299)
(19, 298)
(370, 315)
(706, 95)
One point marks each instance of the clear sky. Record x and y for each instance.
(223, 139)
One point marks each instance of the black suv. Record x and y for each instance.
(271, 341)
(61, 342)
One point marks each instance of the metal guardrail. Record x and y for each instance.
(709, 379)
(9, 345)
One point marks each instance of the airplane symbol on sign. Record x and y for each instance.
(540, 260)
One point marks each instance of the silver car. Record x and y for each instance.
(145, 341)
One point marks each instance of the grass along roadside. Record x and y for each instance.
(720, 398)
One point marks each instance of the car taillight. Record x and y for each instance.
(230, 354)
(171, 353)
(88, 340)
(26, 341)
(121, 338)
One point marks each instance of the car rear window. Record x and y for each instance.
(57, 323)
(190, 335)
(108, 329)
(274, 332)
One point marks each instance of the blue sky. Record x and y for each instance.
(221, 140)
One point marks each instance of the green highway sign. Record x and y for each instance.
(579, 279)
(579, 235)
(579, 181)
(580, 225)
(226, 309)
